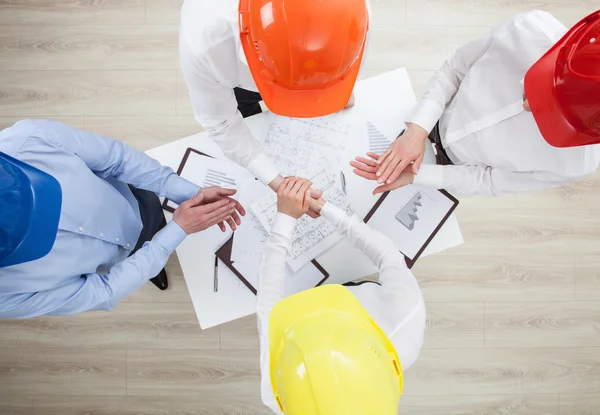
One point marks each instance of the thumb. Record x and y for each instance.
(417, 164)
(384, 188)
(226, 192)
(196, 200)
(307, 199)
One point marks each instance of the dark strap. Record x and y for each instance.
(356, 284)
(441, 156)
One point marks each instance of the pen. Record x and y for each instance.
(343, 179)
(216, 275)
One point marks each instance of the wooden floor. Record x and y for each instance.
(513, 314)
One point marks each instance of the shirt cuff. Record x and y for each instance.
(263, 168)
(180, 189)
(170, 237)
(430, 175)
(283, 225)
(426, 114)
(330, 212)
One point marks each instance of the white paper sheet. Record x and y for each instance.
(311, 237)
(250, 236)
(207, 171)
(409, 216)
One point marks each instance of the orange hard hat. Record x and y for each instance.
(563, 87)
(304, 55)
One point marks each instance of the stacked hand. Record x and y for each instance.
(293, 196)
(368, 169)
(211, 206)
(314, 193)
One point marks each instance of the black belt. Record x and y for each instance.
(441, 157)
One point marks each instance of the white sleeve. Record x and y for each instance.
(486, 180)
(446, 82)
(271, 289)
(376, 246)
(215, 107)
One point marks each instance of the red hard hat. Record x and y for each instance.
(563, 87)
(304, 55)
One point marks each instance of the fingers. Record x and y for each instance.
(363, 167)
(231, 223)
(417, 164)
(236, 218)
(226, 192)
(306, 204)
(209, 208)
(366, 175)
(313, 214)
(298, 184)
(384, 188)
(316, 193)
(374, 156)
(284, 185)
(387, 167)
(305, 193)
(368, 162)
(239, 208)
(385, 155)
(196, 200)
(397, 171)
(222, 226)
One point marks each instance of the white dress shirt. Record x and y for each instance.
(396, 305)
(212, 64)
(477, 96)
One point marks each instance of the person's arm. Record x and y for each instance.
(485, 180)
(215, 108)
(112, 158)
(98, 291)
(271, 288)
(446, 82)
(376, 246)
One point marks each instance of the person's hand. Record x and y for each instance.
(314, 193)
(317, 204)
(215, 193)
(366, 168)
(408, 148)
(194, 216)
(293, 197)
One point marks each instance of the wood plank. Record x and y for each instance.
(88, 47)
(144, 132)
(587, 277)
(163, 11)
(579, 404)
(16, 404)
(504, 371)
(193, 373)
(555, 324)
(485, 278)
(491, 12)
(454, 326)
(75, 122)
(240, 334)
(69, 371)
(147, 405)
(184, 104)
(577, 195)
(518, 232)
(73, 93)
(541, 404)
(71, 12)
(416, 48)
(130, 325)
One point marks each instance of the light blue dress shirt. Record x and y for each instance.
(88, 267)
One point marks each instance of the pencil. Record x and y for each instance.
(216, 275)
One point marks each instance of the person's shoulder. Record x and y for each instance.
(206, 23)
(537, 23)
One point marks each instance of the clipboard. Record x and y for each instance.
(410, 262)
(224, 254)
(165, 204)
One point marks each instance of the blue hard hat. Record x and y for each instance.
(30, 204)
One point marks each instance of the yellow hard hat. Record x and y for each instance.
(328, 357)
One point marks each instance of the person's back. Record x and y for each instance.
(389, 315)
